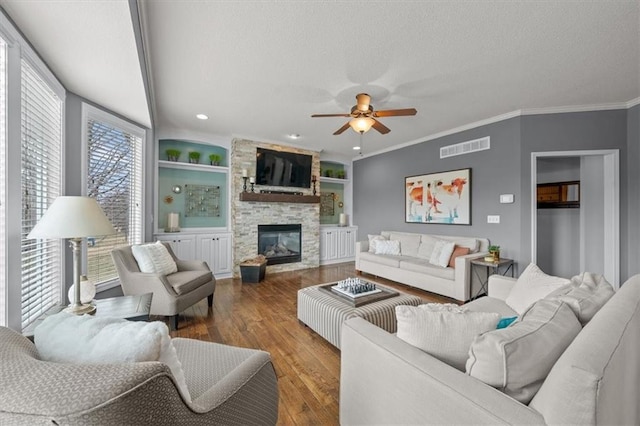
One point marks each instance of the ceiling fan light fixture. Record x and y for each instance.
(361, 124)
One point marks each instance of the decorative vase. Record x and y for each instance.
(496, 255)
(87, 291)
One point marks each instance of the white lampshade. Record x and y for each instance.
(361, 124)
(72, 217)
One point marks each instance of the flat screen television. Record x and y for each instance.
(280, 168)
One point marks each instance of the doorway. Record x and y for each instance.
(568, 240)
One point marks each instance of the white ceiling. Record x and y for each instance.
(259, 69)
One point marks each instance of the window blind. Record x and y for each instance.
(114, 179)
(3, 183)
(41, 183)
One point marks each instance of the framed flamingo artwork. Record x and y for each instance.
(443, 198)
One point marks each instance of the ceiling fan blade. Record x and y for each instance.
(341, 129)
(395, 112)
(379, 127)
(331, 115)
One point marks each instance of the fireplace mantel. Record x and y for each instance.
(279, 198)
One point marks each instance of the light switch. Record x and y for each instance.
(506, 198)
(493, 218)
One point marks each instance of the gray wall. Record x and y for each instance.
(506, 168)
(378, 191)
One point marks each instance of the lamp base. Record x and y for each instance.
(80, 309)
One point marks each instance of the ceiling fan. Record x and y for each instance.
(363, 116)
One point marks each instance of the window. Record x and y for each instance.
(114, 176)
(41, 183)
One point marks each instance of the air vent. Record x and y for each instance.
(465, 147)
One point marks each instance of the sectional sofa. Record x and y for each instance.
(412, 265)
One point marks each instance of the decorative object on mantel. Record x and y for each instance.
(314, 180)
(252, 181)
(253, 270)
(194, 157)
(245, 176)
(172, 154)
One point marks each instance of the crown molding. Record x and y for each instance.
(506, 116)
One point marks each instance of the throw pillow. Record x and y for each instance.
(154, 258)
(458, 251)
(86, 339)
(388, 247)
(445, 331)
(588, 293)
(517, 359)
(505, 322)
(532, 286)
(373, 239)
(427, 242)
(441, 254)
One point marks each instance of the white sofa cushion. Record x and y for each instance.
(471, 243)
(517, 359)
(86, 339)
(408, 242)
(381, 259)
(445, 331)
(587, 293)
(441, 254)
(154, 258)
(373, 240)
(427, 242)
(424, 267)
(532, 286)
(391, 247)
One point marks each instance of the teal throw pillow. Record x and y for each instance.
(505, 322)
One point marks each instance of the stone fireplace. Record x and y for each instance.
(246, 216)
(280, 243)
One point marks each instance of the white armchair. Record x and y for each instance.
(172, 293)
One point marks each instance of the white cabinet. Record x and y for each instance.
(337, 244)
(183, 245)
(215, 249)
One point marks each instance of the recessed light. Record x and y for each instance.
(355, 148)
(202, 116)
(293, 136)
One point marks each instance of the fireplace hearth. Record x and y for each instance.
(280, 243)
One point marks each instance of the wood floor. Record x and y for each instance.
(264, 316)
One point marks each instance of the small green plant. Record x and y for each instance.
(194, 157)
(215, 159)
(340, 174)
(494, 248)
(172, 154)
(328, 173)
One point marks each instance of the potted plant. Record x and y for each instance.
(329, 173)
(172, 154)
(495, 252)
(215, 159)
(194, 157)
(340, 174)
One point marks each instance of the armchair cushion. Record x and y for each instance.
(86, 339)
(154, 258)
(186, 281)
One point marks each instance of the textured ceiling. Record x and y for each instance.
(259, 69)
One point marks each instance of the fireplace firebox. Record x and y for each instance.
(280, 243)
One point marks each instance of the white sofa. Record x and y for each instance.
(412, 266)
(596, 380)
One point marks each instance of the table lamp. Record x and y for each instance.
(73, 218)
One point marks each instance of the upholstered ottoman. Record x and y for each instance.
(324, 313)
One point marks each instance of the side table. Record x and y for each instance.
(132, 308)
(493, 267)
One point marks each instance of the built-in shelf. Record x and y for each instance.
(192, 166)
(278, 198)
(334, 180)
